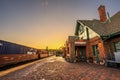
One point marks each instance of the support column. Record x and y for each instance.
(72, 52)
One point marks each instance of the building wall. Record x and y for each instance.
(70, 48)
(109, 47)
(96, 41)
(103, 47)
(89, 43)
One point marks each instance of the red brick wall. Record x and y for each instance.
(109, 44)
(102, 46)
(96, 41)
(88, 50)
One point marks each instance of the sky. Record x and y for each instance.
(41, 23)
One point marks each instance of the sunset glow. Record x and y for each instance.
(41, 23)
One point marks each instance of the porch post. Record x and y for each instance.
(72, 51)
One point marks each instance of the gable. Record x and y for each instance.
(111, 26)
(92, 33)
(84, 32)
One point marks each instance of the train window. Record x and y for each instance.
(1, 44)
(1, 48)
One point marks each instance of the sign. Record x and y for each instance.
(80, 42)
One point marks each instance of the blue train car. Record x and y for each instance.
(13, 53)
(13, 48)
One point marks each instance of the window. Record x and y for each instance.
(117, 46)
(81, 29)
(0, 48)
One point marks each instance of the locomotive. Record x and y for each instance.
(11, 53)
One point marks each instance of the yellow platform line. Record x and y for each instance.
(5, 72)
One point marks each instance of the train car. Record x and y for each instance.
(42, 53)
(11, 53)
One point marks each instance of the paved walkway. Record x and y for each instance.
(56, 68)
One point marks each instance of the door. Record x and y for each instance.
(80, 52)
(96, 53)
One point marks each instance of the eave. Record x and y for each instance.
(106, 37)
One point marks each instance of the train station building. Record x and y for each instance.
(95, 40)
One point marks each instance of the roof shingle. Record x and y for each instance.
(104, 28)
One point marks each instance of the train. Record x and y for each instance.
(12, 53)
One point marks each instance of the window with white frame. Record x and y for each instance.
(117, 46)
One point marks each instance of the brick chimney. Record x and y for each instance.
(102, 13)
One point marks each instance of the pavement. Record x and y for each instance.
(56, 68)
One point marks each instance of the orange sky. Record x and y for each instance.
(41, 23)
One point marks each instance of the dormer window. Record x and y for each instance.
(81, 29)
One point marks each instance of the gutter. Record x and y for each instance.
(106, 37)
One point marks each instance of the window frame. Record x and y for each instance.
(116, 46)
(81, 29)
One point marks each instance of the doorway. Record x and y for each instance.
(80, 53)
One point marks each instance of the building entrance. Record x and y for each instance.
(80, 53)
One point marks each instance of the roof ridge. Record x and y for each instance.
(115, 14)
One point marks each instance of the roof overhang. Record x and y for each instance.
(106, 37)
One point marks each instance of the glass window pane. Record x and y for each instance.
(117, 46)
